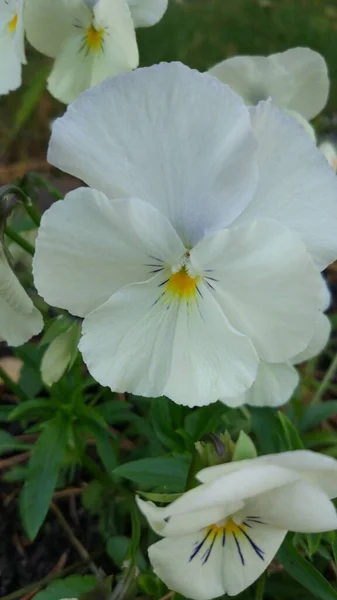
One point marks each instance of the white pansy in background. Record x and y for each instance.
(147, 12)
(19, 319)
(197, 253)
(89, 39)
(222, 535)
(276, 382)
(12, 49)
(296, 80)
(329, 150)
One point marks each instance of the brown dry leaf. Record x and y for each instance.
(12, 366)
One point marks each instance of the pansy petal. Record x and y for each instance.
(296, 185)
(266, 284)
(147, 12)
(307, 70)
(317, 342)
(155, 344)
(10, 69)
(199, 163)
(19, 319)
(210, 563)
(171, 561)
(299, 506)
(311, 466)
(229, 490)
(49, 24)
(273, 386)
(89, 246)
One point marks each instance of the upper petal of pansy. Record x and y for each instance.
(266, 284)
(296, 185)
(253, 77)
(306, 87)
(167, 134)
(49, 24)
(10, 69)
(89, 246)
(147, 12)
(215, 560)
(148, 340)
(228, 490)
(273, 386)
(311, 466)
(19, 319)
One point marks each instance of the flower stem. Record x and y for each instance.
(18, 239)
(325, 383)
(14, 190)
(260, 586)
(73, 539)
(42, 182)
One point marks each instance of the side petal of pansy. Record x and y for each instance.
(296, 185)
(19, 319)
(249, 270)
(147, 12)
(11, 45)
(199, 166)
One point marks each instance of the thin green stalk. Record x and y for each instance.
(260, 586)
(83, 552)
(42, 182)
(14, 190)
(136, 529)
(18, 239)
(14, 387)
(325, 383)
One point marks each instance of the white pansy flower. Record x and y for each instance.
(190, 261)
(296, 80)
(329, 150)
(90, 40)
(221, 536)
(276, 382)
(147, 12)
(19, 319)
(12, 49)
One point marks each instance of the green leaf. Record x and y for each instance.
(316, 413)
(70, 587)
(47, 457)
(29, 100)
(244, 448)
(30, 378)
(265, 420)
(91, 416)
(305, 573)
(105, 448)
(163, 424)
(167, 472)
(115, 411)
(117, 548)
(290, 433)
(205, 420)
(32, 409)
(9, 444)
(5, 412)
(163, 498)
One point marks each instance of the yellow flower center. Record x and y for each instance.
(13, 23)
(229, 527)
(94, 38)
(181, 284)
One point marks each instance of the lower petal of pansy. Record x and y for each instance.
(218, 559)
(89, 246)
(318, 341)
(273, 386)
(148, 341)
(266, 284)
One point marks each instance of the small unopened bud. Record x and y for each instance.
(215, 449)
(60, 355)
